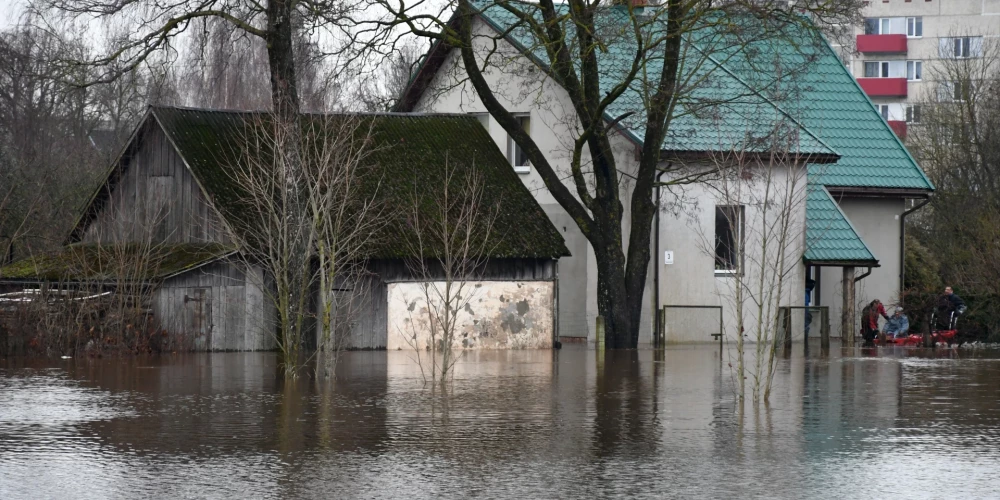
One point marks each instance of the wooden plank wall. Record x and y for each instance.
(156, 197)
(236, 316)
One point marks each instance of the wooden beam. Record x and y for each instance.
(847, 311)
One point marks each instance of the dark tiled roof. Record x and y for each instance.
(407, 154)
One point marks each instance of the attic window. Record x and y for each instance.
(518, 158)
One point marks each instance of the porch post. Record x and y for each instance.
(847, 311)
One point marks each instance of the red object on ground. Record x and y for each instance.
(883, 87)
(916, 340)
(882, 44)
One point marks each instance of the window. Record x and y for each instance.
(913, 113)
(885, 69)
(954, 91)
(912, 26)
(961, 90)
(961, 47)
(871, 26)
(728, 239)
(514, 152)
(883, 109)
(914, 70)
(876, 69)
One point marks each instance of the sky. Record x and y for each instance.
(8, 11)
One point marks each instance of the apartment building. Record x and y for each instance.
(901, 45)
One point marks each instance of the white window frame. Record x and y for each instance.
(739, 237)
(914, 22)
(883, 111)
(910, 113)
(513, 148)
(917, 72)
(883, 68)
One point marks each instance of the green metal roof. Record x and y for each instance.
(830, 237)
(404, 154)
(743, 97)
(722, 113)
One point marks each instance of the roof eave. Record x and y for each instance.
(879, 192)
(841, 263)
(800, 158)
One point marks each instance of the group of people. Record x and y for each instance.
(949, 306)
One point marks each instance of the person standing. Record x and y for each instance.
(869, 320)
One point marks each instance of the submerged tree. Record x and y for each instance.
(336, 221)
(662, 58)
(451, 240)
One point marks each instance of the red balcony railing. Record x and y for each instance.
(899, 127)
(882, 44)
(884, 87)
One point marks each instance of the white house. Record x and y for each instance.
(838, 187)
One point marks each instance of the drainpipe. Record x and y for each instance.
(902, 243)
(863, 276)
(656, 259)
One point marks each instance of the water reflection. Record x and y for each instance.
(570, 423)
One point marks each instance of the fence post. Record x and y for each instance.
(661, 334)
(824, 329)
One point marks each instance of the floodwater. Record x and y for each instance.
(901, 423)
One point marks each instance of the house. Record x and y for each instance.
(171, 198)
(850, 179)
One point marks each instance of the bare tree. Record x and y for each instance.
(335, 221)
(667, 51)
(761, 195)
(450, 245)
(956, 137)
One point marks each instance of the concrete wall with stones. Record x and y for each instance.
(495, 315)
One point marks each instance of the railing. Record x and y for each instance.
(784, 325)
(661, 336)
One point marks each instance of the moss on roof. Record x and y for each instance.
(406, 154)
(87, 262)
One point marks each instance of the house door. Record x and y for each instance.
(198, 316)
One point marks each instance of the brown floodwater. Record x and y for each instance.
(902, 423)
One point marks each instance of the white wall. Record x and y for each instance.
(492, 315)
(522, 88)
(688, 230)
(877, 222)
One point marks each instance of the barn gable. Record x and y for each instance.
(150, 194)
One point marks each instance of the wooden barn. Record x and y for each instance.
(169, 190)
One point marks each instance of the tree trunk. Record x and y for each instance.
(280, 57)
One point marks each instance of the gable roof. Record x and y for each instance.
(407, 153)
(827, 113)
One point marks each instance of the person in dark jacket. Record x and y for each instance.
(950, 307)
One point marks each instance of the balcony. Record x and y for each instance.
(882, 44)
(883, 87)
(899, 127)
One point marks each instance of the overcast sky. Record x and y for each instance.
(8, 9)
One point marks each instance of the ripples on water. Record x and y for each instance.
(526, 424)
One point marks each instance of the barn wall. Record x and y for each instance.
(156, 198)
(367, 303)
(492, 315)
(220, 307)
